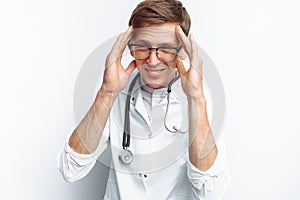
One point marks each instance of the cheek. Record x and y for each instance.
(139, 63)
(172, 65)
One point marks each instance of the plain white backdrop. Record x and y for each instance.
(254, 45)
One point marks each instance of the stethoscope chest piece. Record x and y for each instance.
(126, 156)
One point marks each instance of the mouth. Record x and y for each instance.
(154, 71)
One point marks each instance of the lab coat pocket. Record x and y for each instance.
(184, 191)
(183, 197)
(111, 191)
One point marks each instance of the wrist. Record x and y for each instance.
(199, 98)
(105, 97)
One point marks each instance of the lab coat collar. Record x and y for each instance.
(155, 92)
(137, 98)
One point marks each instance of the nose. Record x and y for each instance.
(153, 59)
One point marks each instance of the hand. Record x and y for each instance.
(115, 76)
(191, 78)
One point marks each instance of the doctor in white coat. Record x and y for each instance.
(161, 147)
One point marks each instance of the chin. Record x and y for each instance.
(156, 85)
(158, 81)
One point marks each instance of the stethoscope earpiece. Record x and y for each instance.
(175, 128)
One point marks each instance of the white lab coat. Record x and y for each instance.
(161, 168)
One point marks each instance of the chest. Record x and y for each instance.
(152, 146)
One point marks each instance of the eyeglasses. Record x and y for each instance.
(164, 54)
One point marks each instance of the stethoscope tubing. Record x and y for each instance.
(126, 155)
(126, 131)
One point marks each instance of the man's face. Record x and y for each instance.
(156, 72)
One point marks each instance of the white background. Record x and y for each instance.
(254, 45)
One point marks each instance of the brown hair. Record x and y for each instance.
(150, 12)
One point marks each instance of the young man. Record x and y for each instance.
(151, 158)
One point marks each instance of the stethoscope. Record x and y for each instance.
(126, 156)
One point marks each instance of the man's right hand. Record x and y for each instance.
(115, 76)
(87, 135)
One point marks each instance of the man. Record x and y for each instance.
(150, 161)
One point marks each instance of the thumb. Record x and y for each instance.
(130, 67)
(180, 67)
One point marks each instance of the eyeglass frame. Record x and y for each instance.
(156, 50)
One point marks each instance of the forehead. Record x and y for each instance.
(156, 34)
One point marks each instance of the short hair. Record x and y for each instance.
(151, 12)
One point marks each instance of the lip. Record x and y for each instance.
(154, 70)
(154, 73)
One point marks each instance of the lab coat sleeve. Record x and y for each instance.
(74, 166)
(211, 184)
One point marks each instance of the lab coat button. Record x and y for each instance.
(140, 174)
(145, 175)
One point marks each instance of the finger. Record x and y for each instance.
(184, 41)
(115, 47)
(180, 67)
(196, 59)
(127, 36)
(121, 42)
(130, 67)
